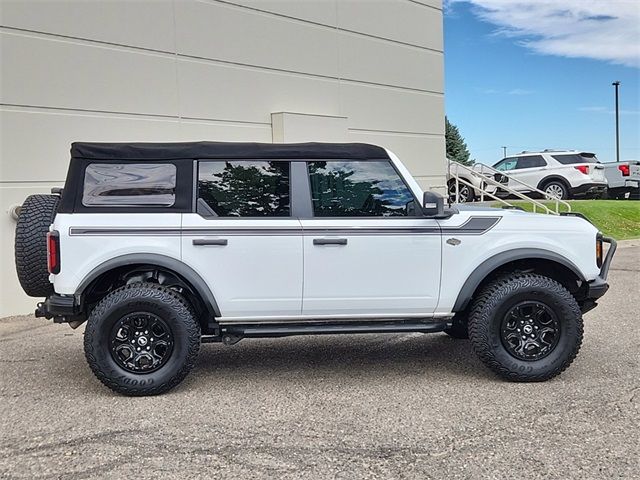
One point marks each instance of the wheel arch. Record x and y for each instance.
(550, 178)
(522, 259)
(452, 181)
(178, 268)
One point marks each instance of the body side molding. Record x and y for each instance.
(489, 265)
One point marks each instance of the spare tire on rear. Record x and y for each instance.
(36, 215)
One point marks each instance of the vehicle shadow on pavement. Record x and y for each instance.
(366, 355)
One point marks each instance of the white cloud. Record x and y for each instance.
(606, 30)
(520, 91)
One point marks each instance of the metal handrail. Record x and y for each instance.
(486, 179)
(530, 188)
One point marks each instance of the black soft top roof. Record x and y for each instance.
(224, 150)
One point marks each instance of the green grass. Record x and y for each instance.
(619, 219)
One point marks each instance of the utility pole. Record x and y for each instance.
(504, 152)
(616, 85)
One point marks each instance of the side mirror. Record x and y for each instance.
(432, 204)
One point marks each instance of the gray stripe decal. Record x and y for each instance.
(473, 226)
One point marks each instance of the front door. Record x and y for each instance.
(243, 240)
(367, 251)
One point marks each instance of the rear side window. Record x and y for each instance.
(568, 159)
(358, 189)
(531, 162)
(129, 185)
(245, 188)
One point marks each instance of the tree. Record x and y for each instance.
(456, 146)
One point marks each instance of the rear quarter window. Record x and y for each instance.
(129, 185)
(568, 159)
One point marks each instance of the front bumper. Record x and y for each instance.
(598, 287)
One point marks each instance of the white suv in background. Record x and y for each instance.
(559, 173)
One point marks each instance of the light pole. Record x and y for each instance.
(616, 85)
(504, 151)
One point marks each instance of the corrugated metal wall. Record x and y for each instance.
(209, 70)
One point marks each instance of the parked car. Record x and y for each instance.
(159, 247)
(472, 184)
(561, 174)
(623, 178)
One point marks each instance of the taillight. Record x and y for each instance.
(624, 168)
(53, 252)
(599, 250)
(583, 168)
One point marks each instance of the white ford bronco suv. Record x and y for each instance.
(160, 247)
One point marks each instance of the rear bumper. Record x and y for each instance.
(589, 189)
(61, 308)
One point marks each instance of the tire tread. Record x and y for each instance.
(480, 315)
(154, 292)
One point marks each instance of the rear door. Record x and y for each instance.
(367, 250)
(243, 240)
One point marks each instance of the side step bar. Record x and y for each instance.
(233, 334)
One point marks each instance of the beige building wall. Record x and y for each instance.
(233, 70)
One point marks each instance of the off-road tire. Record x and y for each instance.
(492, 304)
(163, 302)
(35, 218)
(459, 327)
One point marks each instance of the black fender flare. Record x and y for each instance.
(172, 264)
(491, 264)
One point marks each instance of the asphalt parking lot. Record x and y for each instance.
(369, 406)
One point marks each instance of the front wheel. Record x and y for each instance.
(460, 194)
(142, 339)
(526, 327)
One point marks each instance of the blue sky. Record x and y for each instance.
(537, 74)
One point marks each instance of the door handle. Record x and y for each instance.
(210, 241)
(329, 241)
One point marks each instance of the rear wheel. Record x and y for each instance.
(142, 339)
(36, 216)
(556, 189)
(526, 327)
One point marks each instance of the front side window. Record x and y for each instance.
(358, 189)
(245, 188)
(531, 162)
(506, 164)
(129, 185)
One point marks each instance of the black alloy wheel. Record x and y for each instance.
(141, 342)
(530, 330)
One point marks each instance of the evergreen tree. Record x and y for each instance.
(456, 146)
